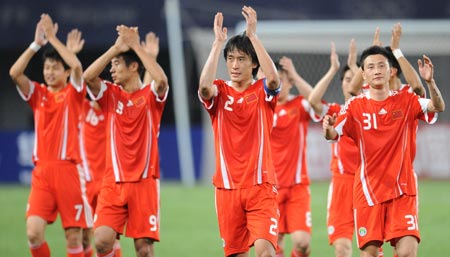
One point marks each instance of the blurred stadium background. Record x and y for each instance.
(301, 30)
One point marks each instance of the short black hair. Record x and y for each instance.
(374, 50)
(343, 71)
(52, 54)
(394, 61)
(242, 43)
(129, 57)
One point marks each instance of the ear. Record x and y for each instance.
(134, 66)
(393, 71)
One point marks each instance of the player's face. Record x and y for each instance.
(239, 66)
(348, 76)
(120, 73)
(286, 84)
(54, 74)
(377, 71)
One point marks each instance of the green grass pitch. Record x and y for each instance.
(189, 226)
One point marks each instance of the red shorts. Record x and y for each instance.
(135, 204)
(340, 220)
(295, 209)
(92, 192)
(245, 215)
(387, 221)
(59, 186)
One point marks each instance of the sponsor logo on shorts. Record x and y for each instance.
(330, 230)
(362, 231)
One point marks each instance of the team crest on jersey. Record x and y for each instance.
(331, 230)
(362, 231)
(139, 101)
(398, 114)
(251, 98)
(60, 97)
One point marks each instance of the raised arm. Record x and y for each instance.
(151, 46)
(303, 87)
(16, 72)
(131, 39)
(315, 99)
(327, 127)
(92, 73)
(357, 80)
(74, 41)
(205, 87)
(426, 70)
(266, 63)
(69, 57)
(410, 74)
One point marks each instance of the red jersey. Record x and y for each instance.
(289, 141)
(344, 153)
(382, 130)
(93, 141)
(56, 119)
(242, 123)
(132, 131)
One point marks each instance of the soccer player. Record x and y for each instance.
(344, 159)
(57, 181)
(292, 117)
(380, 123)
(130, 189)
(242, 112)
(92, 138)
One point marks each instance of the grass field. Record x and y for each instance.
(189, 227)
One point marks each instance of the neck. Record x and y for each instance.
(132, 85)
(55, 89)
(379, 94)
(242, 85)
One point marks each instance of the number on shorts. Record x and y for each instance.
(308, 219)
(273, 227)
(412, 222)
(79, 208)
(153, 222)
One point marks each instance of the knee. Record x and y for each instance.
(406, 252)
(302, 246)
(103, 244)
(342, 249)
(144, 247)
(74, 237)
(35, 236)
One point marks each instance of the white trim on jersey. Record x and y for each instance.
(147, 161)
(36, 135)
(77, 87)
(113, 151)
(22, 95)
(153, 89)
(88, 216)
(83, 153)
(261, 148)
(298, 172)
(103, 88)
(65, 133)
(208, 107)
(223, 165)
(363, 178)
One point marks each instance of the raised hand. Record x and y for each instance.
(250, 17)
(151, 44)
(396, 34)
(74, 41)
(39, 35)
(352, 56)
(220, 31)
(129, 35)
(426, 68)
(50, 29)
(287, 65)
(334, 58)
(376, 38)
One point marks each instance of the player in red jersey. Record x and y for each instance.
(292, 117)
(130, 189)
(57, 179)
(241, 112)
(380, 122)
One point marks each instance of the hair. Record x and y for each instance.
(242, 43)
(394, 61)
(374, 50)
(129, 57)
(52, 54)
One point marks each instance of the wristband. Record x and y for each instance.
(397, 53)
(34, 46)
